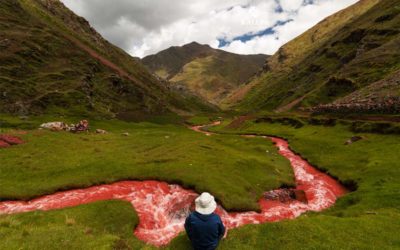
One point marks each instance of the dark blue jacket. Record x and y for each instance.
(204, 231)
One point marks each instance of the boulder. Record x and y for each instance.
(271, 195)
(4, 144)
(353, 140)
(286, 195)
(5, 43)
(101, 131)
(54, 126)
(82, 126)
(282, 195)
(300, 195)
(11, 140)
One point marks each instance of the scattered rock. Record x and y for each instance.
(61, 126)
(12, 140)
(125, 134)
(54, 126)
(9, 140)
(5, 43)
(82, 126)
(285, 195)
(353, 140)
(101, 131)
(88, 231)
(377, 98)
(4, 144)
(300, 195)
(271, 195)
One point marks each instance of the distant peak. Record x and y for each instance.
(195, 44)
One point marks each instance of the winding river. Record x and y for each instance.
(162, 208)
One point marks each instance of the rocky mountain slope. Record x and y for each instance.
(380, 97)
(344, 53)
(210, 73)
(52, 61)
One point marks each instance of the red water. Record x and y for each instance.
(162, 208)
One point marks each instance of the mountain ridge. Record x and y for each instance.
(53, 61)
(210, 73)
(357, 52)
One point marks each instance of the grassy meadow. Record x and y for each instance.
(52, 161)
(367, 218)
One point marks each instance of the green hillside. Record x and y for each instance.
(345, 52)
(210, 73)
(52, 61)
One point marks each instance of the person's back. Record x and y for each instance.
(203, 227)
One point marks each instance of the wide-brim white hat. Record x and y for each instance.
(205, 204)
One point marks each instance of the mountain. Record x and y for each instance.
(53, 62)
(381, 97)
(210, 73)
(344, 53)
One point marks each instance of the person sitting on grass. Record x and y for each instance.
(203, 227)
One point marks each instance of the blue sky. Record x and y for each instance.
(240, 26)
(223, 42)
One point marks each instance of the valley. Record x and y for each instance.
(103, 150)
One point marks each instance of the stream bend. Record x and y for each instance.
(162, 208)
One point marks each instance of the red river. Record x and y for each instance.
(162, 208)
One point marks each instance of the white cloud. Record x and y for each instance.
(291, 5)
(148, 26)
(304, 18)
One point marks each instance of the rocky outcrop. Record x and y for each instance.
(286, 195)
(353, 140)
(389, 105)
(381, 97)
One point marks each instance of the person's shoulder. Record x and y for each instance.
(216, 216)
(191, 215)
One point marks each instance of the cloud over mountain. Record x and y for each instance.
(240, 26)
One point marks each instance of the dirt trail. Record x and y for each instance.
(104, 61)
(293, 103)
(100, 58)
(162, 208)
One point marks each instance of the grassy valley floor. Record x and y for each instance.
(237, 170)
(52, 161)
(368, 218)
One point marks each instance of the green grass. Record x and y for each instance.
(46, 68)
(333, 48)
(202, 120)
(199, 120)
(368, 218)
(53, 161)
(100, 225)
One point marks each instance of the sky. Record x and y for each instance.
(144, 27)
